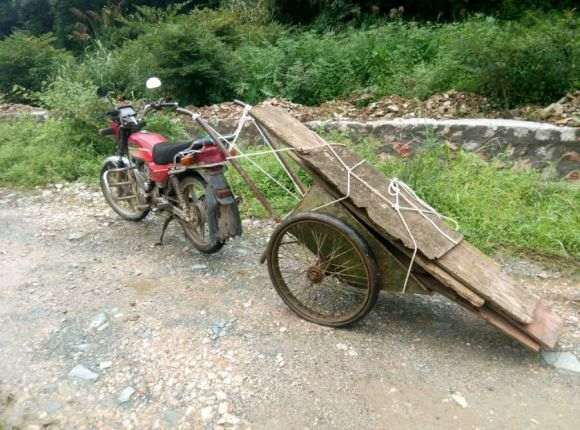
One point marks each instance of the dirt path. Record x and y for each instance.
(162, 337)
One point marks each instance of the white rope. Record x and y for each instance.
(233, 144)
(397, 189)
(265, 139)
(349, 171)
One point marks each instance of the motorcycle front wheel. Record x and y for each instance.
(198, 231)
(119, 188)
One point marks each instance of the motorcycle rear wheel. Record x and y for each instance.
(121, 186)
(197, 232)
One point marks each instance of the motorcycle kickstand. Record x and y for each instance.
(164, 229)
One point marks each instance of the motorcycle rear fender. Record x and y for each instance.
(218, 191)
(212, 215)
(219, 188)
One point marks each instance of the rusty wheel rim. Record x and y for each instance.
(321, 273)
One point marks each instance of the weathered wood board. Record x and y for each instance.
(469, 276)
(291, 132)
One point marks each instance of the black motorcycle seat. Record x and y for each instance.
(164, 153)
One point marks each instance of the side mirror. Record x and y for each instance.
(153, 83)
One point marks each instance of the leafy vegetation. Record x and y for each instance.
(206, 56)
(26, 62)
(534, 60)
(35, 154)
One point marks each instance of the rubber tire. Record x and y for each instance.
(135, 218)
(210, 248)
(355, 239)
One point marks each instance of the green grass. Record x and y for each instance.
(496, 209)
(34, 153)
(281, 201)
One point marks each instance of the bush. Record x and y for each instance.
(36, 154)
(533, 60)
(193, 54)
(74, 99)
(310, 67)
(26, 62)
(530, 61)
(306, 68)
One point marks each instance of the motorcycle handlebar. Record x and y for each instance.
(106, 131)
(160, 105)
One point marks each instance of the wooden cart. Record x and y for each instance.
(350, 237)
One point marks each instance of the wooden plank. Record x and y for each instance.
(508, 328)
(546, 326)
(484, 276)
(311, 146)
(379, 209)
(450, 282)
(296, 135)
(287, 128)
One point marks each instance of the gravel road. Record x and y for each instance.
(100, 329)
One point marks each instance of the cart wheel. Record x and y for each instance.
(322, 269)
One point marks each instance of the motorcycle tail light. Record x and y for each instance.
(223, 193)
(186, 160)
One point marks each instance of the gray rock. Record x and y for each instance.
(74, 236)
(198, 267)
(125, 395)
(218, 329)
(98, 321)
(81, 372)
(562, 360)
(105, 364)
(53, 406)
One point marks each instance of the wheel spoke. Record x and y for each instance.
(321, 272)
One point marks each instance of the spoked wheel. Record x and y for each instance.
(198, 230)
(322, 269)
(122, 192)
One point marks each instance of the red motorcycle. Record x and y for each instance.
(184, 178)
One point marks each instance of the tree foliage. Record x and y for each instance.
(340, 11)
(26, 62)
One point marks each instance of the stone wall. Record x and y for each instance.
(551, 149)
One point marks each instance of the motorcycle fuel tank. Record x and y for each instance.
(141, 145)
